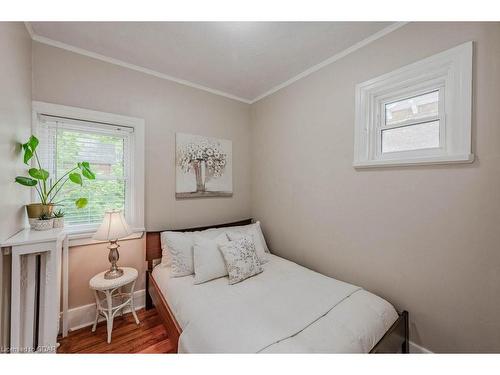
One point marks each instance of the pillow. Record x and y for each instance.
(208, 261)
(179, 247)
(166, 259)
(241, 259)
(173, 238)
(255, 233)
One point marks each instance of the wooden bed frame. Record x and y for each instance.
(395, 340)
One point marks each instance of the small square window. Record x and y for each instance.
(419, 114)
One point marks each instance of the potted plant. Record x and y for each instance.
(46, 190)
(44, 222)
(59, 219)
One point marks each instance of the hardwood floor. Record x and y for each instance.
(149, 336)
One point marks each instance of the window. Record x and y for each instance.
(111, 148)
(420, 114)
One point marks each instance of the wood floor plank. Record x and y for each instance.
(149, 336)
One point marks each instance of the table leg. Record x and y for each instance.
(15, 307)
(110, 316)
(132, 305)
(65, 276)
(97, 307)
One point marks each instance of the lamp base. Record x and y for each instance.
(113, 274)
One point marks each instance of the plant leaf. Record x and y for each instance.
(81, 202)
(28, 154)
(86, 171)
(39, 174)
(33, 143)
(26, 181)
(76, 178)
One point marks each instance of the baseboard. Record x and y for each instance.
(83, 316)
(417, 349)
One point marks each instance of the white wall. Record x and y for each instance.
(15, 123)
(425, 238)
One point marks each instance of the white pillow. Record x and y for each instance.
(208, 261)
(173, 238)
(241, 259)
(179, 239)
(255, 232)
(179, 247)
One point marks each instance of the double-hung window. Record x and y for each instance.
(418, 114)
(114, 155)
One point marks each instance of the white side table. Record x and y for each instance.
(116, 296)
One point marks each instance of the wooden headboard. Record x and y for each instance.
(153, 245)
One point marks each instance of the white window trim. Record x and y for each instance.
(135, 198)
(450, 70)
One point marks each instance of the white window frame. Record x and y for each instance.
(450, 72)
(134, 205)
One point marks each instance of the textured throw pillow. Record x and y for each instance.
(255, 233)
(241, 259)
(208, 261)
(179, 246)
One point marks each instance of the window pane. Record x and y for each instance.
(105, 154)
(415, 108)
(413, 137)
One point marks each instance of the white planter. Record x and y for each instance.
(43, 224)
(59, 222)
(32, 223)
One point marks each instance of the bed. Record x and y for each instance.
(285, 309)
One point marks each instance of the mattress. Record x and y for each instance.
(285, 309)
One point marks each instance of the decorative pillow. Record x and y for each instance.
(255, 233)
(208, 261)
(179, 247)
(166, 259)
(241, 259)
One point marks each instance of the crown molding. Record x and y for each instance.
(305, 73)
(30, 29)
(332, 59)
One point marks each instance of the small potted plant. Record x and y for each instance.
(47, 190)
(59, 219)
(44, 222)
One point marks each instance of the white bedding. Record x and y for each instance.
(285, 309)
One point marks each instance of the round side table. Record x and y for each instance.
(113, 295)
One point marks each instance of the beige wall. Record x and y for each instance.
(15, 123)
(67, 78)
(425, 238)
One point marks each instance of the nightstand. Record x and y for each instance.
(113, 295)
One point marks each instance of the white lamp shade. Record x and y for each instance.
(113, 227)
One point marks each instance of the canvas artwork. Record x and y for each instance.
(203, 166)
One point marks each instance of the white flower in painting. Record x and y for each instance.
(210, 152)
(199, 154)
(216, 155)
(210, 162)
(222, 162)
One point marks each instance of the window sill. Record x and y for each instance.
(84, 238)
(452, 159)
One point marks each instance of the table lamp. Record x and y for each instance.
(113, 228)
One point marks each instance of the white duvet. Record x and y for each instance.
(287, 308)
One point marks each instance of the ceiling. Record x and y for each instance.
(244, 60)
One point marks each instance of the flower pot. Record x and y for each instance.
(35, 210)
(43, 224)
(59, 222)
